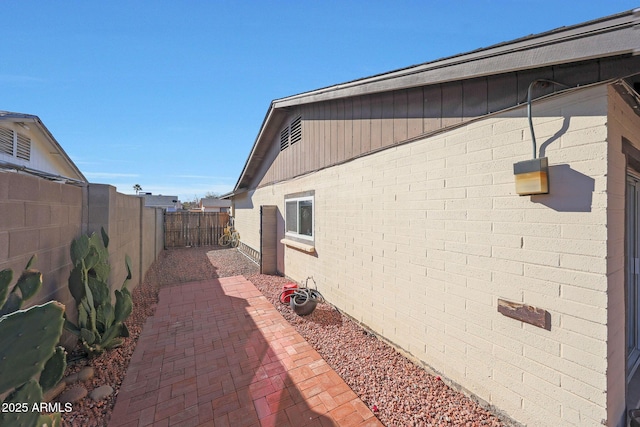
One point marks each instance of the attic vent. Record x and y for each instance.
(6, 141)
(296, 130)
(24, 147)
(284, 138)
(291, 134)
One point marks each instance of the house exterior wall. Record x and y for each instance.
(418, 242)
(338, 130)
(622, 122)
(41, 156)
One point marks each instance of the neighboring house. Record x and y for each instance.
(209, 204)
(169, 203)
(27, 146)
(396, 192)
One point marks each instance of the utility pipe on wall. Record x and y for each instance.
(529, 90)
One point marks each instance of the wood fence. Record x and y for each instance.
(182, 229)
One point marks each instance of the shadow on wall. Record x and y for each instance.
(555, 136)
(569, 190)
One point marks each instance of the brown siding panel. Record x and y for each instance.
(376, 121)
(356, 135)
(432, 108)
(296, 154)
(415, 112)
(576, 74)
(387, 119)
(526, 77)
(333, 157)
(340, 119)
(451, 103)
(326, 137)
(474, 94)
(343, 128)
(400, 113)
(348, 128)
(502, 91)
(365, 125)
(320, 132)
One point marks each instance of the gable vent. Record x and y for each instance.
(24, 147)
(284, 138)
(6, 141)
(296, 130)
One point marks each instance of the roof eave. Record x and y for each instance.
(59, 148)
(257, 151)
(594, 39)
(605, 37)
(30, 118)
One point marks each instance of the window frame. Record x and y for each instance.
(297, 198)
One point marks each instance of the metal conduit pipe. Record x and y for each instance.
(529, 90)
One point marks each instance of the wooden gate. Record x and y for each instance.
(183, 229)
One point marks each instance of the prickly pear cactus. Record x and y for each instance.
(53, 369)
(100, 324)
(28, 341)
(28, 284)
(22, 399)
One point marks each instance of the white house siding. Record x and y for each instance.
(622, 122)
(419, 241)
(42, 156)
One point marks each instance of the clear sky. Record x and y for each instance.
(171, 94)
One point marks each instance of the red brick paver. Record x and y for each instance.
(217, 353)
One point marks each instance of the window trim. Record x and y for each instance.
(298, 197)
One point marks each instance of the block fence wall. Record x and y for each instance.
(419, 241)
(42, 217)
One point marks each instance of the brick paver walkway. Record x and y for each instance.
(217, 353)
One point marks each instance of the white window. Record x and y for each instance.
(299, 216)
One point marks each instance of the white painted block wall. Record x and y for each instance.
(419, 241)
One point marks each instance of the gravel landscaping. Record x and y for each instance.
(399, 392)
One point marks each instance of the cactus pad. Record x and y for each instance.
(28, 393)
(29, 283)
(27, 340)
(54, 369)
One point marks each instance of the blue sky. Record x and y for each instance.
(171, 94)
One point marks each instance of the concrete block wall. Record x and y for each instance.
(419, 241)
(133, 230)
(42, 217)
(39, 217)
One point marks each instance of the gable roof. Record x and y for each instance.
(24, 119)
(615, 35)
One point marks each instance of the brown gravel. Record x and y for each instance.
(399, 392)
